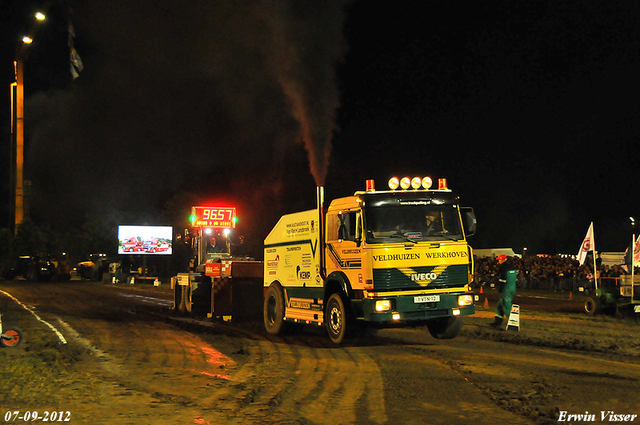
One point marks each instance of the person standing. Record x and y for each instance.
(507, 276)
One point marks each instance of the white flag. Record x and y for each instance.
(76, 63)
(587, 245)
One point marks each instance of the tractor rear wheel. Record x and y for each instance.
(592, 305)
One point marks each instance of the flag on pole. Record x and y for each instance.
(587, 245)
(627, 256)
(76, 62)
(632, 252)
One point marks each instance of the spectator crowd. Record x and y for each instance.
(548, 271)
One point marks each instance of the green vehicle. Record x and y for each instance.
(616, 296)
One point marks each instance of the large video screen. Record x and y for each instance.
(152, 240)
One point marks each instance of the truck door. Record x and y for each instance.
(344, 239)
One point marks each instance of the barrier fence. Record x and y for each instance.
(567, 284)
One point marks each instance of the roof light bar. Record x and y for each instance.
(405, 183)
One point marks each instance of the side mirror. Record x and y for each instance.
(342, 232)
(358, 238)
(468, 220)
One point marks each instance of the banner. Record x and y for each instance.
(587, 245)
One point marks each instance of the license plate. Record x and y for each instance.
(426, 299)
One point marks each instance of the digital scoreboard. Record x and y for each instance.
(214, 217)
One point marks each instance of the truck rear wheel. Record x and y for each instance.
(445, 327)
(592, 305)
(273, 311)
(336, 318)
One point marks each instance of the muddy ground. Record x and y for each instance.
(129, 359)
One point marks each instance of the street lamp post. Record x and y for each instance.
(18, 130)
(17, 125)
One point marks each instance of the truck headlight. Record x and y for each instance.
(382, 305)
(465, 300)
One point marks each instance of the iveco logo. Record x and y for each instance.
(423, 276)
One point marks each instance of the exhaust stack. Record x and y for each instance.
(320, 199)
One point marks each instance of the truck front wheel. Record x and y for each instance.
(336, 319)
(273, 311)
(445, 327)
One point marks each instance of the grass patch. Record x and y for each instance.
(33, 373)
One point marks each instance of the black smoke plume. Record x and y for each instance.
(173, 92)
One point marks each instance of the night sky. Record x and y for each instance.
(529, 109)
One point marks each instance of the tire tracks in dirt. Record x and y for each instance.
(289, 381)
(217, 378)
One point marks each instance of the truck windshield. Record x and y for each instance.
(414, 223)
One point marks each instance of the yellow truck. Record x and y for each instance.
(383, 258)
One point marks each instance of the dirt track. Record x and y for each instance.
(132, 366)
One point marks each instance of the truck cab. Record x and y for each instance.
(402, 255)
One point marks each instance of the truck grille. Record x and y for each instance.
(393, 279)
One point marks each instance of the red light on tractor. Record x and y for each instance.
(371, 185)
(442, 184)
